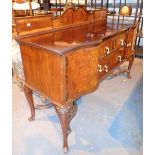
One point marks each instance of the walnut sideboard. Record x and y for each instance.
(65, 63)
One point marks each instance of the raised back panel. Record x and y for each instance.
(27, 25)
(72, 16)
(81, 15)
(99, 14)
(65, 19)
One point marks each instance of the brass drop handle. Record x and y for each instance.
(119, 58)
(106, 68)
(100, 68)
(121, 42)
(128, 45)
(28, 24)
(107, 50)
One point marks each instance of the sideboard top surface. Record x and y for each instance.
(70, 38)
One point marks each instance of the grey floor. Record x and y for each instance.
(109, 121)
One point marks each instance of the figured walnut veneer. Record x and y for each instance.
(81, 69)
(72, 16)
(70, 59)
(40, 70)
(32, 24)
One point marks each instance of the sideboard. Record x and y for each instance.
(69, 59)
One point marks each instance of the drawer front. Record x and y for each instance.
(106, 47)
(103, 66)
(120, 54)
(120, 40)
(107, 63)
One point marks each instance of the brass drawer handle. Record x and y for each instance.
(107, 50)
(100, 68)
(128, 45)
(106, 68)
(119, 58)
(121, 42)
(28, 24)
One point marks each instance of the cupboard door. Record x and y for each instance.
(103, 66)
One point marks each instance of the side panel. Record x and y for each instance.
(81, 72)
(80, 15)
(131, 41)
(44, 71)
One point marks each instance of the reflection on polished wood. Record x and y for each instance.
(70, 59)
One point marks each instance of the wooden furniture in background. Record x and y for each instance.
(24, 7)
(70, 59)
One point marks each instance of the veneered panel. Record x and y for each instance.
(80, 16)
(27, 25)
(44, 71)
(99, 14)
(81, 72)
(64, 19)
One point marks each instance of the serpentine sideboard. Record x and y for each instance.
(70, 58)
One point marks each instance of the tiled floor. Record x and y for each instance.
(108, 122)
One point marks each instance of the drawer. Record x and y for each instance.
(120, 40)
(107, 63)
(106, 47)
(116, 58)
(103, 66)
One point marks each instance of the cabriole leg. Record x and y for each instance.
(65, 115)
(130, 66)
(29, 97)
